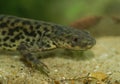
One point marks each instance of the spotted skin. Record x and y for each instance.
(27, 36)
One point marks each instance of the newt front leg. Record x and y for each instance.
(32, 60)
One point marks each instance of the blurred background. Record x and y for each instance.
(59, 11)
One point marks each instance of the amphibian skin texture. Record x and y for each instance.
(30, 36)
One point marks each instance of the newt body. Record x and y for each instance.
(27, 36)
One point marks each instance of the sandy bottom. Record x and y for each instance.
(100, 65)
(101, 62)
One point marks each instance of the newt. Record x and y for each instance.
(30, 36)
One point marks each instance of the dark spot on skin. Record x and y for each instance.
(52, 26)
(11, 17)
(36, 22)
(43, 43)
(5, 44)
(46, 29)
(12, 66)
(26, 22)
(12, 24)
(75, 39)
(46, 23)
(38, 26)
(48, 35)
(11, 31)
(27, 39)
(39, 33)
(31, 27)
(30, 57)
(17, 20)
(31, 43)
(68, 42)
(8, 21)
(2, 25)
(22, 37)
(57, 26)
(6, 38)
(32, 33)
(2, 17)
(4, 48)
(10, 46)
(48, 45)
(60, 32)
(3, 32)
(54, 43)
(22, 46)
(17, 37)
(33, 40)
(17, 29)
(38, 40)
(12, 40)
(13, 45)
(25, 31)
(21, 69)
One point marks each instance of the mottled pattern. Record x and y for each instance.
(31, 36)
(14, 30)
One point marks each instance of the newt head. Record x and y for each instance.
(76, 39)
